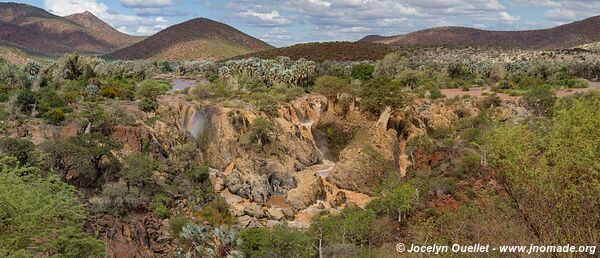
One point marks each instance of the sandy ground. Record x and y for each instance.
(478, 92)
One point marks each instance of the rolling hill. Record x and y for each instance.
(194, 39)
(564, 36)
(36, 30)
(334, 51)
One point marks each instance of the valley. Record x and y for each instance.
(203, 141)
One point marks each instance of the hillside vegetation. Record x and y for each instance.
(36, 30)
(564, 36)
(331, 51)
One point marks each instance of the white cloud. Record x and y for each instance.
(560, 15)
(132, 24)
(506, 17)
(272, 18)
(146, 3)
(322, 20)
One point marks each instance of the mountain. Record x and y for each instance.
(198, 38)
(36, 30)
(333, 51)
(101, 29)
(564, 36)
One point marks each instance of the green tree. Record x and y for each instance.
(550, 171)
(380, 92)
(41, 216)
(352, 225)
(79, 160)
(21, 149)
(395, 200)
(331, 86)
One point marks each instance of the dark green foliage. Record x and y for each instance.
(83, 155)
(22, 150)
(380, 92)
(541, 99)
(435, 93)
(259, 133)
(268, 104)
(281, 241)
(148, 105)
(4, 93)
(331, 86)
(199, 174)
(363, 71)
(41, 217)
(551, 171)
(256, 242)
(138, 170)
(148, 92)
(352, 225)
(55, 116)
(49, 99)
(151, 89)
(26, 101)
(217, 213)
(395, 200)
(117, 198)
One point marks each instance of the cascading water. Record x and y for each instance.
(197, 125)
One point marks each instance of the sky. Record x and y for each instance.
(287, 22)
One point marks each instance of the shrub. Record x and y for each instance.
(280, 241)
(541, 99)
(199, 174)
(161, 211)
(176, 224)
(435, 93)
(363, 71)
(138, 170)
(352, 225)
(256, 242)
(55, 116)
(117, 198)
(148, 105)
(259, 133)
(42, 216)
(330, 86)
(25, 101)
(217, 213)
(550, 170)
(22, 150)
(151, 89)
(268, 105)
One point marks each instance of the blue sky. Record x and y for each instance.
(286, 22)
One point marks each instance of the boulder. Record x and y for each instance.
(309, 190)
(254, 210)
(276, 214)
(339, 199)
